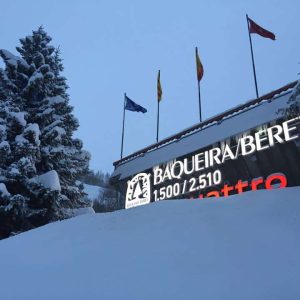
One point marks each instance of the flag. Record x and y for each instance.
(255, 28)
(132, 106)
(159, 90)
(200, 70)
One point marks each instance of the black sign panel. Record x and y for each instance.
(266, 157)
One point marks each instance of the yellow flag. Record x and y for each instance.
(159, 90)
(200, 70)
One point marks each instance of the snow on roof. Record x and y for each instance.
(49, 180)
(230, 123)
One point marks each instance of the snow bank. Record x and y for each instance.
(242, 247)
(82, 211)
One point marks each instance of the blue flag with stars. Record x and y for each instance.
(132, 106)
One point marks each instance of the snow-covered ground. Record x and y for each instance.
(93, 192)
(240, 247)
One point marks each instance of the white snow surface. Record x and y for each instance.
(49, 180)
(56, 100)
(241, 247)
(4, 144)
(20, 117)
(13, 60)
(93, 191)
(3, 190)
(20, 139)
(35, 77)
(34, 127)
(2, 128)
(83, 211)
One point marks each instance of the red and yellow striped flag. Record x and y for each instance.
(200, 70)
(159, 90)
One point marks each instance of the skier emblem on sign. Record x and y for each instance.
(138, 190)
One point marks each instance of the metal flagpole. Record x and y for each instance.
(157, 121)
(159, 94)
(253, 64)
(199, 96)
(123, 126)
(199, 65)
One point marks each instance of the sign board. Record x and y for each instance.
(265, 157)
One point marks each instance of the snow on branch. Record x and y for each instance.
(13, 60)
(49, 180)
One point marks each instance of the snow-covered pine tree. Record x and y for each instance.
(18, 149)
(42, 160)
(47, 103)
(293, 108)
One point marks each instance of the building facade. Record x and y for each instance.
(253, 146)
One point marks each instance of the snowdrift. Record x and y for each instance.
(241, 247)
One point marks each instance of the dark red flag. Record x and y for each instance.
(255, 28)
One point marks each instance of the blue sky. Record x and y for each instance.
(113, 47)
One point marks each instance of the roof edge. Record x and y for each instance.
(198, 126)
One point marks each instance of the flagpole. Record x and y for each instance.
(253, 64)
(123, 125)
(199, 96)
(159, 93)
(157, 129)
(199, 76)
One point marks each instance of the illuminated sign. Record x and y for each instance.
(224, 168)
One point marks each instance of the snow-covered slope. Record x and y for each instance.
(93, 192)
(241, 247)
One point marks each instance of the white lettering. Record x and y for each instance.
(199, 161)
(186, 164)
(261, 136)
(261, 140)
(157, 175)
(227, 153)
(247, 141)
(286, 130)
(272, 135)
(167, 174)
(214, 157)
(178, 176)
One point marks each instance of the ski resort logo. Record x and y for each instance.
(138, 190)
